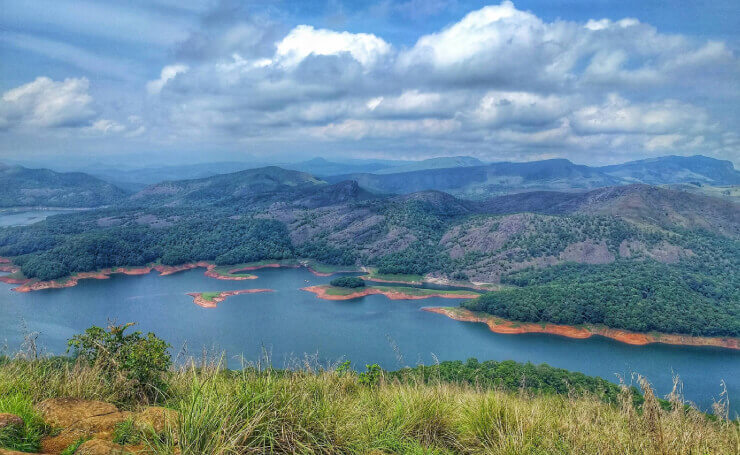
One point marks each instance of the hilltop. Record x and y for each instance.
(224, 187)
(24, 187)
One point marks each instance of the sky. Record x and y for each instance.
(151, 82)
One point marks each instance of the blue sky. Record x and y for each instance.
(166, 81)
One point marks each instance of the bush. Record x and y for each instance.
(143, 360)
(348, 282)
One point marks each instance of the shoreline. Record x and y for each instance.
(321, 293)
(507, 327)
(201, 301)
(277, 265)
(30, 284)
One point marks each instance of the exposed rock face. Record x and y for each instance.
(10, 420)
(587, 253)
(67, 412)
(79, 418)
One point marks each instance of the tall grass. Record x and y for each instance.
(309, 411)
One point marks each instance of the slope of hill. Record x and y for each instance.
(20, 186)
(642, 204)
(223, 187)
(676, 169)
(480, 182)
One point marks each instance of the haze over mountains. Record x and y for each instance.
(465, 177)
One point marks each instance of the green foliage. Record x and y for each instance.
(321, 251)
(126, 433)
(72, 448)
(638, 296)
(371, 376)
(26, 438)
(511, 375)
(418, 259)
(348, 282)
(141, 359)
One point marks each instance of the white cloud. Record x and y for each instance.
(48, 104)
(618, 115)
(530, 109)
(304, 40)
(168, 73)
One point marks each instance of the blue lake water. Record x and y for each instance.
(289, 324)
(25, 217)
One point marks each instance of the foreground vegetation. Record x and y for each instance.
(454, 407)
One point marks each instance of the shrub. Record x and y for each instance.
(348, 282)
(143, 360)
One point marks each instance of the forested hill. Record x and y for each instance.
(668, 260)
(23, 187)
(225, 187)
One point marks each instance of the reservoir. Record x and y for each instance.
(291, 326)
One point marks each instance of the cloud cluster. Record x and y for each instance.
(499, 83)
(45, 103)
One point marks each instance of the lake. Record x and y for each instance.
(22, 217)
(290, 324)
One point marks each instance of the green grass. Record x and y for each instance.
(225, 271)
(126, 433)
(314, 411)
(373, 275)
(28, 437)
(328, 268)
(209, 296)
(72, 448)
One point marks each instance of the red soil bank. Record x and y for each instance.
(321, 293)
(200, 301)
(499, 325)
(28, 285)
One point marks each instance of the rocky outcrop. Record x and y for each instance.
(95, 422)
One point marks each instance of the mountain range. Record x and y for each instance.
(483, 181)
(464, 177)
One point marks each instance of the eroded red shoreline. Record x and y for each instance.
(499, 325)
(28, 285)
(199, 300)
(321, 293)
